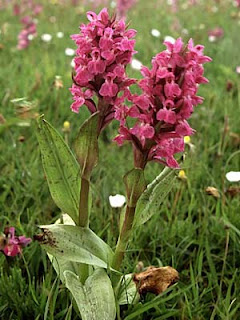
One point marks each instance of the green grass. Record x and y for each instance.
(193, 232)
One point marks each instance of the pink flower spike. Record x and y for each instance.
(104, 49)
(169, 94)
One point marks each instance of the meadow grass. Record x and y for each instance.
(197, 234)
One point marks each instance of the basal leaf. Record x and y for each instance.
(60, 264)
(61, 169)
(150, 201)
(76, 244)
(95, 299)
(127, 293)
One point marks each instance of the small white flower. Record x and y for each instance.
(52, 19)
(238, 69)
(185, 6)
(30, 37)
(214, 9)
(69, 52)
(60, 34)
(46, 37)
(117, 201)
(170, 2)
(233, 176)
(212, 38)
(156, 33)
(72, 64)
(201, 26)
(113, 4)
(136, 64)
(185, 31)
(169, 39)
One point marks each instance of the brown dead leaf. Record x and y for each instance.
(21, 138)
(155, 280)
(235, 139)
(58, 83)
(233, 191)
(211, 191)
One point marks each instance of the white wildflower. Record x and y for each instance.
(69, 52)
(136, 64)
(46, 37)
(117, 201)
(233, 176)
(60, 34)
(155, 33)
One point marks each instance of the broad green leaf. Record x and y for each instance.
(60, 264)
(73, 243)
(61, 169)
(135, 185)
(150, 201)
(127, 293)
(86, 145)
(95, 299)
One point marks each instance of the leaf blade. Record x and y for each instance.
(61, 169)
(95, 299)
(76, 244)
(151, 199)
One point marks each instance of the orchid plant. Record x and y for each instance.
(88, 267)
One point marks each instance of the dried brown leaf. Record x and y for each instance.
(155, 280)
(233, 191)
(211, 191)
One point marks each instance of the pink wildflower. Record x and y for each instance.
(12, 245)
(27, 10)
(174, 6)
(104, 49)
(169, 95)
(123, 6)
(237, 3)
(193, 2)
(29, 29)
(217, 33)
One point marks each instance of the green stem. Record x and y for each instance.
(83, 203)
(123, 238)
(83, 222)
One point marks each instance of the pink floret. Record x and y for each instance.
(13, 244)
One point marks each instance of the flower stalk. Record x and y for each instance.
(83, 203)
(123, 237)
(135, 185)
